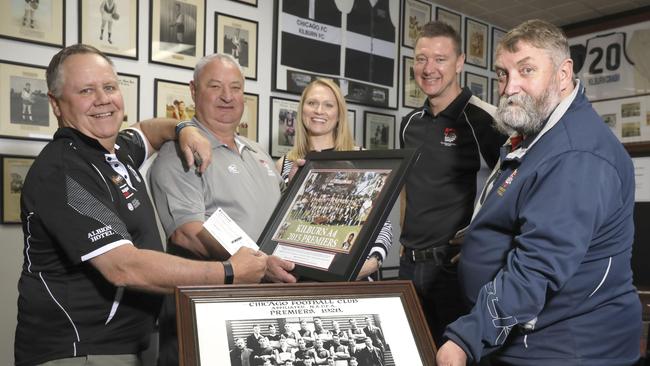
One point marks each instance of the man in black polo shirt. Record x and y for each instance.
(454, 133)
(93, 273)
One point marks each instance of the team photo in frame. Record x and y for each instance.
(111, 26)
(34, 21)
(378, 131)
(237, 37)
(14, 171)
(173, 99)
(25, 111)
(476, 43)
(176, 32)
(416, 14)
(284, 116)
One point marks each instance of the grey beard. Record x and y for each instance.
(524, 114)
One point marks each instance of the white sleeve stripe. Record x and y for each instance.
(104, 249)
(420, 113)
(144, 139)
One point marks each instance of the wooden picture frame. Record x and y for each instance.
(44, 24)
(211, 318)
(476, 43)
(130, 88)
(14, 172)
(249, 125)
(173, 99)
(478, 84)
(284, 116)
(237, 37)
(378, 131)
(252, 3)
(412, 95)
(416, 14)
(25, 111)
(176, 32)
(112, 30)
(304, 48)
(497, 34)
(450, 17)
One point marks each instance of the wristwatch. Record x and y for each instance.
(182, 124)
(378, 257)
(228, 273)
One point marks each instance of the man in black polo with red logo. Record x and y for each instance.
(454, 132)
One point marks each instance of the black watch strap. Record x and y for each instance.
(228, 273)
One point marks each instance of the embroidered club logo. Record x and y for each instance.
(269, 171)
(118, 180)
(506, 183)
(450, 137)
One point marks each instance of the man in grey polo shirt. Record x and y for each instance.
(242, 180)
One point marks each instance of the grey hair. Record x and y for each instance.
(539, 34)
(223, 57)
(54, 72)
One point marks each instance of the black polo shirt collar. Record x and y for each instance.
(454, 109)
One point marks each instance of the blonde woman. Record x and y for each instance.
(322, 126)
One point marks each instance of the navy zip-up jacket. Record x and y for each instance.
(546, 260)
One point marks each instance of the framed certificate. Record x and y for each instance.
(333, 211)
(381, 317)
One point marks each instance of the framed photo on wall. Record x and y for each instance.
(248, 126)
(14, 171)
(33, 21)
(237, 37)
(130, 88)
(449, 17)
(497, 34)
(172, 99)
(247, 2)
(416, 14)
(352, 121)
(494, 99)
(176, 32)
(210, 319)
(25, 111)
(284, 116)
(378, 131)
(476, 43)
(110, 25)
(478, 84)
(412, 95)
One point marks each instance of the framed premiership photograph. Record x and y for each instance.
(130, 88)
(333, 210)
(378, 131)
(497, 34)
(176, 32)
(247, 2)
(213, 320)
(494, 98)
(248, 126)
(25, 111)
(416, 14)
(476, 43)
(237, 37)
(14, 171)
(412, 95)
(110, 25)
(33, 21)
(449, 17)
(478, 84)
(173, 99)
(284, 116)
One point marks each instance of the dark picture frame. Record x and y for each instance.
(172, 99)
(252, 3)
(176, 32)
(130, 88)
(14, 171)
(450, 17)
(237, 37)
(412, 95)
(378, 131)
(122, 38)
(249, 124)
(497, 34)
(25, 111)
(284, 116)
(45, 25)
(476, 43)
(333, 210)
(352, 121)
(416, 14)
(478, 84)
(211, 318)
(317, 48)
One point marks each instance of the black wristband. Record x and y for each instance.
(182, 124)
(228, 273)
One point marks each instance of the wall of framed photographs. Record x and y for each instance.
(154, 44)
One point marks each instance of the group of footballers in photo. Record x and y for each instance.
(341, 343)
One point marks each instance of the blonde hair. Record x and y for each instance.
(343, 140)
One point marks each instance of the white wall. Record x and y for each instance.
(12, 239)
